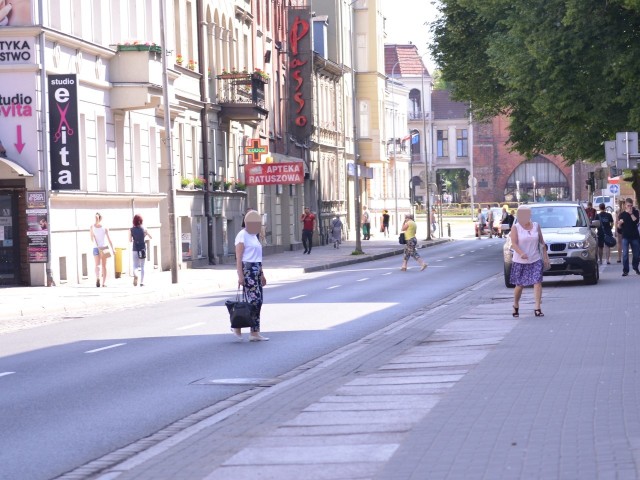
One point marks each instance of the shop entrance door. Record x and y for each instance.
(9, 243)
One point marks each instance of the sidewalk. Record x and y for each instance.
(19, 305)
(458, 391)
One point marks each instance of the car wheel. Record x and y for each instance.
(592, 278)
(507, 277)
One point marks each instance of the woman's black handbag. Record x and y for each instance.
(241, 313)
(609, 240)
(402, 240)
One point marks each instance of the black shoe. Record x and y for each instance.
(637, 271)
(624, 274)
(305, 251)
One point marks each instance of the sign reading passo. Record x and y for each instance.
(64, 143)
(300, 71)
(275, 174)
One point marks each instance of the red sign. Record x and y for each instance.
(274, 174)
(300, 71)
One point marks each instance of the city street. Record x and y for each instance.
(86, 387)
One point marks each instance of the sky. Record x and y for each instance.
(406, 23)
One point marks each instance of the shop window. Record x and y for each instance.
(442, 143)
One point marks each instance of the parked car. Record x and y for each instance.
(570, 238)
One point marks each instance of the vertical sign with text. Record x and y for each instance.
(64, 143)
(300, 70)
(37, 226)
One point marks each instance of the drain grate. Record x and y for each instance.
(258, 382)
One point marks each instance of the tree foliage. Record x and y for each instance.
(567, 72)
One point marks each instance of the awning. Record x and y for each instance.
(15, 167)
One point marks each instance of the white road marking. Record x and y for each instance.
(193, 325)
(297, 297)
(388, 273)
(363, 279)
(462, 254)
(115, 345)
(335, 286)
(5, 374)
(452, 258)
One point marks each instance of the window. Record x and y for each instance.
(443, 143)
(363, 110)
(361, 53)
(462, 142)
(415, 105)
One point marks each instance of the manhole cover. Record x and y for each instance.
(262, 382)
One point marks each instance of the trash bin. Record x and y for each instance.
(119, 255)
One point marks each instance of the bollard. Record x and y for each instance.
(449, 229)
(118, 257)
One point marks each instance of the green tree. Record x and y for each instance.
(567, 72)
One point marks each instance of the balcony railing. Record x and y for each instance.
(419, 115)
(241, 96)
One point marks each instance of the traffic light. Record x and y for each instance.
(591, 182)
(443, 187)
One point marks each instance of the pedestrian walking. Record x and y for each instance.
(366, 224)
(137, 236)
(480, 224)
(100, 237)
(433, 221)
(591, 212)
(335, 228)
(385, 223)
(308, 220)
(249, 268)
(504, 217)
(619, 210)
(409, 228)
(490, 220)
(527, 266)
(604, 230)
(628, 224)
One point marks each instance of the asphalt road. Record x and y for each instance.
(74, 391)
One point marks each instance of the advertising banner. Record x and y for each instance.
(37, 227)
(16, 13)
(300, 70)
(64, 143)
(275, 174)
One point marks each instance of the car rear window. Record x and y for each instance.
(559, 217)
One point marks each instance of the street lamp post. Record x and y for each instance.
(427, 162)
(171, 198)
(356, 178)
(395, 151)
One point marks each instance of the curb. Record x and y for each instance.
(370, 258)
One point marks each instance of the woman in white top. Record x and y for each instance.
(99, 237)
(249, 268)
(527, 266)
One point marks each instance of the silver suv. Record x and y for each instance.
(570, 239)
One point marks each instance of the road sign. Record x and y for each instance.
(614, 189)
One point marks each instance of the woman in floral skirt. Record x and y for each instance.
(249, 269)
(527, 266)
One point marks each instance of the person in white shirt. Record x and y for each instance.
(100, 236)
(249, 268)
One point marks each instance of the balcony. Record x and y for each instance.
(136, 77)
(241, 97)
(414, 116)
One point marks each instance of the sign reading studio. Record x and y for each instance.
(300, 72)
(63, 132)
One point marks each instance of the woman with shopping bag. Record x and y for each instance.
(249, 268)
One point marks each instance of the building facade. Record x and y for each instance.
(227, 89)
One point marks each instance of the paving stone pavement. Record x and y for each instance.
(460, 390)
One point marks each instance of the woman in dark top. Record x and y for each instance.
(138, 235)
(605, 228)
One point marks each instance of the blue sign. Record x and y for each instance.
(614, 189)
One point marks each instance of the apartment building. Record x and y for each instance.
(82, 120)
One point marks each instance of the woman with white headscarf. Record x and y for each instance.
(249, 267)
(527, 267)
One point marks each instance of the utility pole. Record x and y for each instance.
(171, 198)
(427, 160)
(356, 177)
(395, 146)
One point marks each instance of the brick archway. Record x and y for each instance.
(551, 182)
